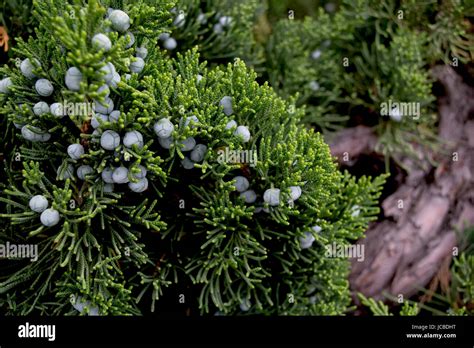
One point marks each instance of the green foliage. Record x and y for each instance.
(292, 70)
(200, 26)
(378, 308)
(463, 279)
(368, 53)
(120, 252)
(409, 309)
(75, 259)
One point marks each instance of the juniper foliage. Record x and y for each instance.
(223, 30)
(368, 53)
(342, 66)
(119, 252)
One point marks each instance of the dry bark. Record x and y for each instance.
(405, 250)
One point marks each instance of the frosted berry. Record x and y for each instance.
(104, 108)
(120, 175)
(109, 140)
(83, 171)
(137, 66)
(67, 173)
(180, 20)
(231, 124)
(38, 203)
(115, 80)
(133, 138)
(187, 163)
(107, 175)
(34, 134)
(130, 39)
(307, 240)
(142, 52)
(226, 103)
(241, 183)
(97, 118)
(218, 28)
(188, 144)
(108, 188)
(102, 42)
(166, 142)
(295, 193)
(330, 7)
(107, 72)
(75, 151)
(225, 21)
(355, 211)
(164, 36)
(27, 67)
(114, 116)
(245, 305)
(316, 54)
(198, 153)
(57, 109)
(80, 305)
(201, 18)
(49, 217)
(44, 88)
(41, 108)
(45, 137)
(73, 79)
(141, 174)
(5, 85)
(395, 114)
(314, 85)
(243, 133)
(170, 44)
(249, 196)
(140, 186)
(272, 197)
(163, 128)
(191, 120)
(120, 20)
(104, 88)
(95, 136)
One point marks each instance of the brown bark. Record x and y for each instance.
(406, 250)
